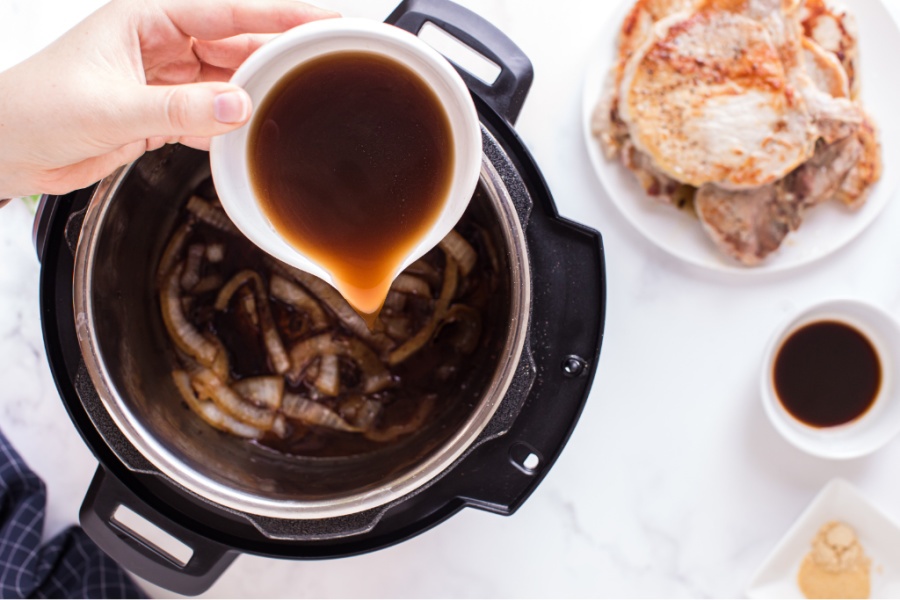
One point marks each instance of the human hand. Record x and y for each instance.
(133, 76)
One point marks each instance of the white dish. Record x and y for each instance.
(878, 534)
(880, 424)
(826, 228)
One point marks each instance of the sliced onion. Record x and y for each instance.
(295, 296)
(375, 377)
(280, 426)
(360, 411)
(399, 328)
(394, 303)
(461, 250)
(210, 283)
(211, 215)
(409, 284)
(185, 336)
(172, 251)
(313, 413)
(306, 351)
(468, 322)
(274, 345)
(424, 335)
(230, 288)
(265, 391)
(220, 365)
(194, 261)
(248, 301)
(331, 298)
(215, 253)
(424, 269)
(208, 385)
(393, 432)
(210, 413)
(328, 381)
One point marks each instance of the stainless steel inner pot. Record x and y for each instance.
(129, 358)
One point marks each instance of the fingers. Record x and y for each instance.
(229, 53)
(217, 19)
(188, 110)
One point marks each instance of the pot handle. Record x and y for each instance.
(142, 557)
(507, 93)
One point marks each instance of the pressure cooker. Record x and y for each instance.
(219, 496)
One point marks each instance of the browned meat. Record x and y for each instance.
(747, 225)
(750, 225)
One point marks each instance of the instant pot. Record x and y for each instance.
(220, 496)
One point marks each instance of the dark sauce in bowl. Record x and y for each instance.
(827, 374)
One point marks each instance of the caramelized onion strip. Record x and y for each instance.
(211, 215)
(461, 250)
(274, 345)
(193, 263)
(360, 411)
(409, 284)
(183, 334)
(375, 377)
(211, 414)
(230, 289)
(391, 433)
(468, 323)
(215, 253)
(424, 335)
(330, 297)
(328, 381)
(293, 295)
(208, 385)
(313, 413)
(172, 251)
(210, 283)
(265, 391)
(423, 269)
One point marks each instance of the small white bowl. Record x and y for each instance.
(268, 65)
(874, 428)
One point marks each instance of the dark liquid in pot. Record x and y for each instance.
(351, 158)
(827, 374)
(442, 378)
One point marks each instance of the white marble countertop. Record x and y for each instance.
(674, 483)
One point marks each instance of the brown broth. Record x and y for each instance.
(351, 158)
(827, 374)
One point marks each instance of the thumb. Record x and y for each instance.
(188, 110)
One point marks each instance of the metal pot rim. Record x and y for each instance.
(200, 484)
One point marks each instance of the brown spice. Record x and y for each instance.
(837, 566)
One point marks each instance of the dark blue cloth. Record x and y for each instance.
(69, 566)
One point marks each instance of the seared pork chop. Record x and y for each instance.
(854, 190)
(747, 225)
(835, 30)
(825, 70)
(636, 29)
(707, 98)
(750, 225)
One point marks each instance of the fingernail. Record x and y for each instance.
(231, 107)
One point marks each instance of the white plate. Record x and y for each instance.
(878, 534)
(827, 227)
